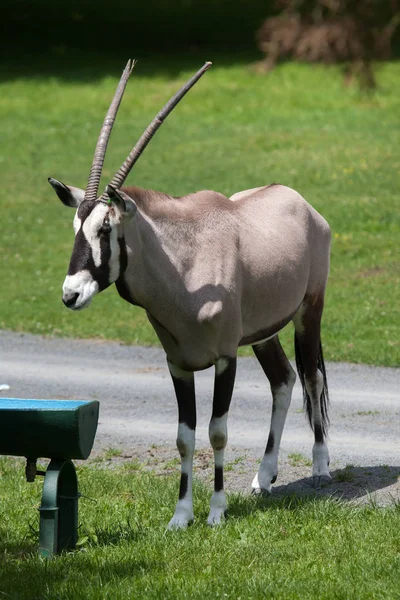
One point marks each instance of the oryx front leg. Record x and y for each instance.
(282, 378)
(185, 394)
(225, 370)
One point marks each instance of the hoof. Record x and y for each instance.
(216, 517)
(320, 481)
(180, 522)
(261, 492)
(264, 486)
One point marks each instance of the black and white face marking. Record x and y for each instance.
(96, 256)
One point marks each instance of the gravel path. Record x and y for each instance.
(138, 413)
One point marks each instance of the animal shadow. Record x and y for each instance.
(350, 484)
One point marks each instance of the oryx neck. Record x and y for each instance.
(147, 200)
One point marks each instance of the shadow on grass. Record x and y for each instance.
(127, 532)
(26, 547)
(87, 66)
(69, 576)
(349, 484)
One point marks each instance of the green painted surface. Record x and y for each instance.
(47, 431)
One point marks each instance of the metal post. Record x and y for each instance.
(59, 509)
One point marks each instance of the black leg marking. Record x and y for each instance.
(219, 479)
(183, 487)
(270, 443)
(318, 433)
(223, 388)
(273, 362)
(185, 395)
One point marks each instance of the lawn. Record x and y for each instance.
(310, 548)
(237, 129)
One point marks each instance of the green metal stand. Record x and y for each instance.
(60, 430)
(59, 509)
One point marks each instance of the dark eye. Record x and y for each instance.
(105, 228)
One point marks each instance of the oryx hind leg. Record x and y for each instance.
(311, 369)
(281, 377)
(185, 394)
(225, 371)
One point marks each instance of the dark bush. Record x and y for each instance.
(352, 32)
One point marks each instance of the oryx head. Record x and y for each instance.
(99, 253)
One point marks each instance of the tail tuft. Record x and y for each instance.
(324, 400)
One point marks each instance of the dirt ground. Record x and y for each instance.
(138, 415)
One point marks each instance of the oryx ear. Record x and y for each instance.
(70, 196)
(126, 204)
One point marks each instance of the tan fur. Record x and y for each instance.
(213, 271)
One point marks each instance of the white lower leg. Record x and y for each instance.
(320, 450)
(267, 473)
(184, 509)
(218, 506)
(268, 470)
(320, 460)
(218, 438)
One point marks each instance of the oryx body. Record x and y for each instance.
(214, 273)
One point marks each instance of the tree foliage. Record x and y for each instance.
(355, 32)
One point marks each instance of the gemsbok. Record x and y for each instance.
(213, 273)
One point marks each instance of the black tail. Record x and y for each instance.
(324, 400)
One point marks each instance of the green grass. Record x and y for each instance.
(299, 460)
(346, 474)
(236, 130)
(285, 549)
(111, 453)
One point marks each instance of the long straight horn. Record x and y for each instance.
(101, 147)
(124, 171)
